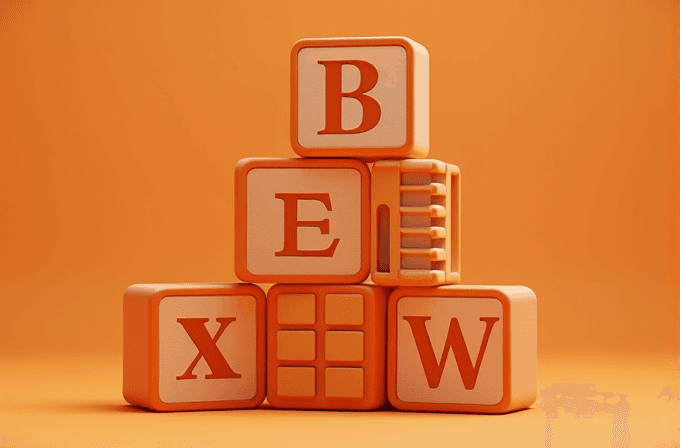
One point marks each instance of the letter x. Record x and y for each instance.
(207, 348)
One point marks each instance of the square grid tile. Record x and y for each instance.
(326, 346)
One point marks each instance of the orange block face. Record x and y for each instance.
(415, 219)
(194, 346)
(326, 346)
(462, 349)
(302, 220)
(366, 98)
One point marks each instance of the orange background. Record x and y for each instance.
(120, 127)
(121, 124)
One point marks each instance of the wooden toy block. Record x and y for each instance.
(302, 220)
(462, 349)
(194, 346)
(364, 97)
(415, 219)
(326, 346)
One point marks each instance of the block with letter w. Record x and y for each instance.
(491, 332)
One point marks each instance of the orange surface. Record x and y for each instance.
(121, 124)
(151, 356)
(326, 346)
(78, 404)
(502, 358)
(279, 199)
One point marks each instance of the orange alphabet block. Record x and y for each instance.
(462, 348)
(326, 346)
(194, 346)
(366, 98)
(415, 215)
(302, 220)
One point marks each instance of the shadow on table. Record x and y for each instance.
(75, 408)
(118, 408)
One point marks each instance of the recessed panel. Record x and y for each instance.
(296, 382)
(344, 309)
(304, 221)
(344, 382)
(344, 346)
(429, 328)
(196, 329)
(296, 309)
(386, 63)
(294, 345)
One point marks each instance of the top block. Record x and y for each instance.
(364, 97)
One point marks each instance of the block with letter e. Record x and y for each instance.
(194, 346)
(462, 348)
(364, 97)
(302, 220)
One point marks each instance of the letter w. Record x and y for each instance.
(207, 348)
(454, 339)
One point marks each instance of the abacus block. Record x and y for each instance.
(415, 219)
(326, 346)
(462, 348)
(302, 220)
(194, 346)
(366, 98)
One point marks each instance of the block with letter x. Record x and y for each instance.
(302, 220)
(365, 97)
(326, 346)
(194, 346)
(462, 348)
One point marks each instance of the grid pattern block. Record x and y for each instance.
(415, 219)
(326, 346)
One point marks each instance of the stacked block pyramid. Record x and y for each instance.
(324, 336)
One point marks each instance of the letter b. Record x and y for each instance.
(371, 108)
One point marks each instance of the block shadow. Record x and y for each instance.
(118, 408)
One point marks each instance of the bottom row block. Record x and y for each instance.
(194, 346)
(462, 349)
(326, 346)
(445, 349)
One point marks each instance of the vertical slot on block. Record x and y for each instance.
(383, 240)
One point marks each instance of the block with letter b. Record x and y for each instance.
(415, 218)
(194, 346)
(462, 348)
(366, 98)
(302, 220)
